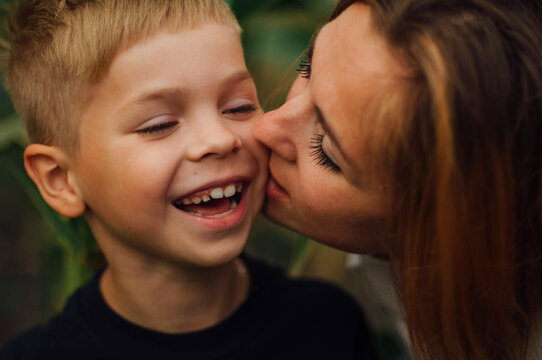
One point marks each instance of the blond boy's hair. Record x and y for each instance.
(58, 49)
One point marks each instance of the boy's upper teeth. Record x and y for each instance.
(229, 191)
(196, 200)
(214, 193)
(217, 193)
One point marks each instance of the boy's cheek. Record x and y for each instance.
(246, 132)
(261, 153)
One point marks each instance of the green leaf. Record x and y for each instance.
(11, 131)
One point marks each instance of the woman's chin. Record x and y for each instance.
(371, 242)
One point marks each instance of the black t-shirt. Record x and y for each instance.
(281, 319)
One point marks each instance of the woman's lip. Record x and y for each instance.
(275, 191)
(233, 219)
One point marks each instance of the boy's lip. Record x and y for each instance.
(229, 221)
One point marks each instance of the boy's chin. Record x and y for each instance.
(223, 256)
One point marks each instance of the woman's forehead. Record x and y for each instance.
(352, 41)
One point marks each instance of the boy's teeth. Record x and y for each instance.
(217, 193)
(196, 200)
(229, 191)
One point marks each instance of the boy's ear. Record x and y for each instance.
(48, 167)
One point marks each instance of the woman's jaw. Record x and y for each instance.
(324, 217)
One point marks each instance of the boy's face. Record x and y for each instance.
(169, 128)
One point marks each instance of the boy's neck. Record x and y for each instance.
(176, 300)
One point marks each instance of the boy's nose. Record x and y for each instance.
(214, 140)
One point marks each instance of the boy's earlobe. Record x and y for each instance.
(48, 167)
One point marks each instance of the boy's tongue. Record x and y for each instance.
(210, 208)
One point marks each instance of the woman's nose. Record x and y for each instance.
(279, 129)
(214, 139)
(273, 130)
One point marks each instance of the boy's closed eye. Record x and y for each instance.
(159, 128)
(248, 108)
(165, 123)
(159, 124)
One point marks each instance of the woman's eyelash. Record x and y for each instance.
(155, 129)
(319, 155)
(304, 67)
(240, 109)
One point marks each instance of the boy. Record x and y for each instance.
(140, 115)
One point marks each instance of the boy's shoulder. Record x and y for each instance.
(61, 337)
(310, 294)
(308, 318)
(54, 340)
(282, 318)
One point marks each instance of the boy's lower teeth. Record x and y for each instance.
(232, 208)
(213, 208)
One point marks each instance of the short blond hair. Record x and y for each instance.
(57, 49)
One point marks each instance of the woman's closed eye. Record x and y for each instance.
(319, 155)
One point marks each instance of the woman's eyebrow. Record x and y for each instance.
(310, 49)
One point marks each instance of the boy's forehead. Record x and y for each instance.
(170, 64)
(125, 47)
(187, 37)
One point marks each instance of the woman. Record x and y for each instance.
(414, 131)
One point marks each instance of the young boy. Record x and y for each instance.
(140, 115)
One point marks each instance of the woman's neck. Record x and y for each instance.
(175, 300)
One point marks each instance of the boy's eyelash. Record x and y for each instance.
(155, 129)
(304, 67)
(319, 155)
(165, 126)
(240, 109)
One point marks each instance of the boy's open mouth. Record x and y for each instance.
(213, 202)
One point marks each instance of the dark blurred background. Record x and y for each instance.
(44, 257)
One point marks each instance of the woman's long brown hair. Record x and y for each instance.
(466, 240)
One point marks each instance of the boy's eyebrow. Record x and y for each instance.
(175, 92)
(237, 77)
(160, 94)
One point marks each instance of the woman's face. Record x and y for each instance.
(320, 184)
